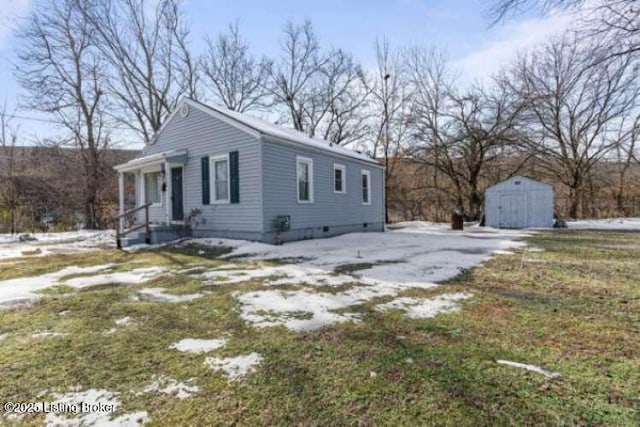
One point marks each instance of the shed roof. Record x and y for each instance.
(506, 183)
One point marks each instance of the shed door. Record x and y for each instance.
(513, 210)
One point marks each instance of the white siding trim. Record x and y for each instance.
(343, 168)
(368, 175)
(308, 161)
(212, 180)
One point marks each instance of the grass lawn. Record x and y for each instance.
(573, 308)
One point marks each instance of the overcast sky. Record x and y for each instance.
(461, 27)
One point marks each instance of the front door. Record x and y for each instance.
(177, 209)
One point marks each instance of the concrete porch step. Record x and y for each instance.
(159, 234)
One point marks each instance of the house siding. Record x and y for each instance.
(203, 135)
(340, 212)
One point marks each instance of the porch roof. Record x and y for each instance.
(174, 156)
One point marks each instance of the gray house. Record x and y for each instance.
(250, 179)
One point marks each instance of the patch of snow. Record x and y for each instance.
(110, 331)
(279, 275)
(533, 249)
(414, 255)
(196, 345)
(123, 321)
(166, 385)
(237, 367)
(64, 313)
(138, 275)
(611, 224)
(422, 255)
(532, 368)
(79, 400)
(423, 308)
(4, 336)
(159, 295)
(55, 243)
(303, 310)
(502, 252)
(47, 334)
(22, 290)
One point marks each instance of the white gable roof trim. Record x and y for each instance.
(174, 156)
(265, 130)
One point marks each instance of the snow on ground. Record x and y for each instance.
(196, 345)
(297, 310)
(52, 243)
(237, 367)
(423, 308)
(166, 385)
(412, 255)
(123, 321)
(22, 290)
(532, 368)
(47, 334)
(613, 224)
(78, 405)
(159, 295)
(134, 276)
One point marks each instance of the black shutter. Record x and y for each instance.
(234, 176)
(204, 167)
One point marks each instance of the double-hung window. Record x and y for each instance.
(152, 187)
(220, 166)
(304, 168)
(366, 187)
(339, 178)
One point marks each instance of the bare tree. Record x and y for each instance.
(576, 105)
(62, 71)
(389, 90)
(321, 92)
(461, 136)
(8, 194)
(504, 8)
(148, 61)
(624, 156)
(236, 79)
(614, 25)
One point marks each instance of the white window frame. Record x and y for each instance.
(368, 175)
(308, 161)
(212, 180)
(143, 189)
(343, 168)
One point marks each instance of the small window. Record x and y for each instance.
(220, 179)
(152, 188)
(339, 178)
(366, 187)
(305, 179)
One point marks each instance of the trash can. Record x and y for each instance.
(457, 221)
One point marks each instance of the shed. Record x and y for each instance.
(519, 202)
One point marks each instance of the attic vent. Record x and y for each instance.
(184, 110)
(517, 183)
